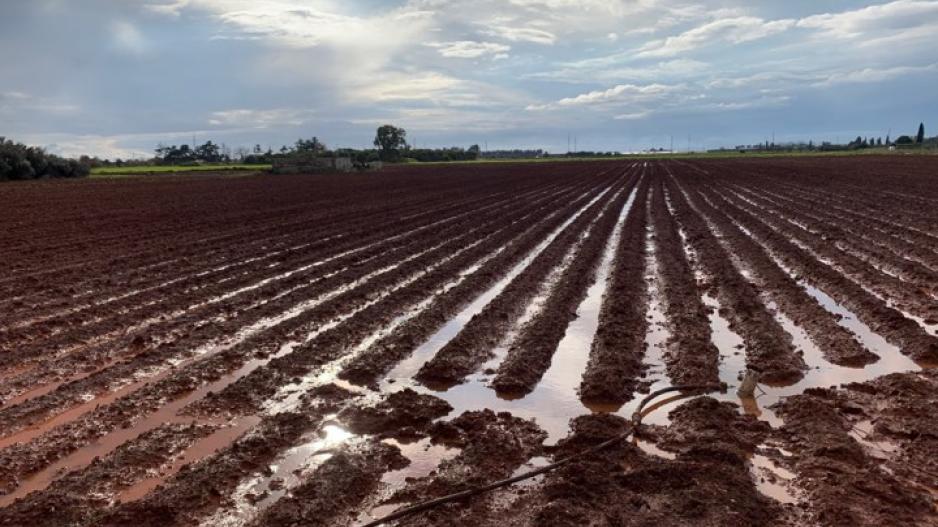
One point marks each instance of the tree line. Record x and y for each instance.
(19, 162)
(860, 143)
(390, 144)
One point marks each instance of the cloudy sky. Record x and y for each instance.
(115, 77)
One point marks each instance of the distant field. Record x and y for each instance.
(730, 154)
(136, 170)
(103, 172)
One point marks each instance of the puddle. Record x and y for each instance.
(881, 449)
(287, 472)
(424, 458)
(772, 480)
(91, 401)
(199, 450)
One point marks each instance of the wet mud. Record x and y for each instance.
(274, 352)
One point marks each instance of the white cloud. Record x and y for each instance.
(128, 39)
(74, 146)
(772, 78)
(443, 120)
(522, 34)
(172, 8)
(892, 16)
(468, 49)
(14, 102)
(734, 30)
(398, 86)
(305, 26)
(871, 75)
(245, 118)
(634, 116)
(893, 22)
(760, 102)
(14, 96)
(601, 70)
(620, 95)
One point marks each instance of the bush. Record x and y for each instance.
(19, 162)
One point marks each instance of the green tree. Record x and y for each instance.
(313, 145)
(18, 161)
(390, 140)
(209, 152)
(920, 138)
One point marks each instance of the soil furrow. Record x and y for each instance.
(838, 344)
(530, 353)
(691, 357)
(311, 282)
(892, 325)
(77, 497)
(843, 485)
(247, 395)
(615, 363)
(336, 490)
(903, 243)
(824, 243)
(199, 489)
(472, 346)
(492, 447)
(379, 358)
(769, 349)
(334, 235)
(19, 460)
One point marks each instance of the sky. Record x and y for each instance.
(114, 78)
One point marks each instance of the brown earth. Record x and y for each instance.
(164, 342)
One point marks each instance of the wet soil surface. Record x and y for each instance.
(865, 454)
(252, 351)
(404, 415)
(615, 365)
(529, 356)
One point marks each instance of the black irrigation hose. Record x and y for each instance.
(695, 389)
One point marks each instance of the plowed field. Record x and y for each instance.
(325, 350)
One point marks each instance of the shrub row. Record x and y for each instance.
(18, 161)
